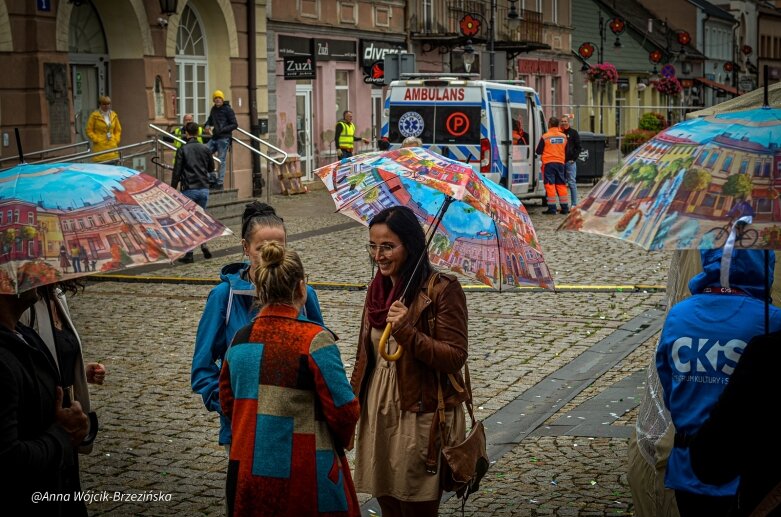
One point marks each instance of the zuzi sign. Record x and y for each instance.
(299, 67)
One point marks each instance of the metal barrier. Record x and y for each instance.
(45, 151)
(168, 145)
(84, 155)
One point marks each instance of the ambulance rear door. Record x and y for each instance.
(445, 115)
(520, 174)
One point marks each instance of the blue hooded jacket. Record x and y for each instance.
(700, 345)
(229, 307)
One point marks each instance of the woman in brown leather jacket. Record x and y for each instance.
(399, 399)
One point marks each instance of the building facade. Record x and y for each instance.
(323, 59)
(155, 66)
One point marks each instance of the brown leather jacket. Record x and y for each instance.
(423, 355)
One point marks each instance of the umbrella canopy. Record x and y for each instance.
(685, 187)
(61, 221)
(485, 234)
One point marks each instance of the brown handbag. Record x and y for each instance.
(462, 465)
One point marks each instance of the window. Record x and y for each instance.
(31, 248)
(763, 206)
(428, 16)
(382, 16)
(16, 216)
(348, 13)
(342, 92)
(1, 217)
(712, 160)
(702, 157)
(191, 67)
(743, 167)
(725, 167)
(309, 8)
(159, 98)
(30, 217)
(91, 221)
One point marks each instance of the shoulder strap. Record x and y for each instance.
(769, 503)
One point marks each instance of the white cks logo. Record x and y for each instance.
(704, 355)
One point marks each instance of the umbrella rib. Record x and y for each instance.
(499, 251)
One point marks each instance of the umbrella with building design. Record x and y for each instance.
(485, 233)
(686, 187)
(61, 221)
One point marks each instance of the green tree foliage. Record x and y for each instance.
(696, 179)
(653, 122)
(738, 185)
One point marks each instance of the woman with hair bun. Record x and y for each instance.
(231, 305)
(284, 391)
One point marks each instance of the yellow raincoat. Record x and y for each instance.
(104, 137)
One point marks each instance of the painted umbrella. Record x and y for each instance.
(484, 233)
(61, 221)
(686, 187)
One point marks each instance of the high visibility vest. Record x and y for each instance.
(180, 133)
(555, 149)
(347, 136)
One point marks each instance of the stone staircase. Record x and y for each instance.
(226, 206)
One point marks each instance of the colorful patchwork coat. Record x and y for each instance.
(291, 409)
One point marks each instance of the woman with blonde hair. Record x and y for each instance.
(285, 393)
(104, 131)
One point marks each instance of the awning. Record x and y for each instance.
(717, 86)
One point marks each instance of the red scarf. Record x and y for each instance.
(382, 294)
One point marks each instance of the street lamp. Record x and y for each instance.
(470, 27)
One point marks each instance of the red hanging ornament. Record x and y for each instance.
(684, 38)
(586, 50)
(655, 56)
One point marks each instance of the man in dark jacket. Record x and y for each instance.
(728, 445)
(37, 434)
(192, 167)
(571, 155)
(220, 125)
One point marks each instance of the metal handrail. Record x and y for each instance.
(89, 154)
(176, 139)
(44, 151)
(258, 151)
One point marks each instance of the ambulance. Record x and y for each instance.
(493, 126)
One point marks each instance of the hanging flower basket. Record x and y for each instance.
(603, 73)
(668, 86)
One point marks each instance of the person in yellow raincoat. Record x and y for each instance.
(104, 131)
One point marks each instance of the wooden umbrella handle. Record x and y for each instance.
(384, 343)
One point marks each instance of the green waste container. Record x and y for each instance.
(591, 162)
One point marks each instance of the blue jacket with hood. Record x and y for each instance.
(700, 345)
(229, 307)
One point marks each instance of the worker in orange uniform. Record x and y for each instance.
(552, 147)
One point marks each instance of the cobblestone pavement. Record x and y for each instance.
(157, 436)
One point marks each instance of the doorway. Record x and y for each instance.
(88, 85)
(376, 116)
(304, 146)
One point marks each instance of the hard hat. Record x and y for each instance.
(218, 93)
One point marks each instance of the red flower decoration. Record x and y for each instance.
(617, 25)
(728, 66)
(655, 56)
(684, 38)
(747, 50)
(586, 50)
(469, 25)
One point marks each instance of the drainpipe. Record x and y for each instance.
(252, 94)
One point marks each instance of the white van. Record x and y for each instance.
(472, 121)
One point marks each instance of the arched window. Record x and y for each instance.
(191, 67)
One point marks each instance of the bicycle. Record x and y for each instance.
(744, 238)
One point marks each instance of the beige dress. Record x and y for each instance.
(392, 445)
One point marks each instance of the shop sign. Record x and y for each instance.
(293, 46)
(538, 66)
(373, 59)
(335, 50)
(299, 67)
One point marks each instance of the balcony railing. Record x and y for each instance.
(440, 20)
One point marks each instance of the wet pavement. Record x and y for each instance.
(555, 374)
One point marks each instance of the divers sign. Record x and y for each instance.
(373, 59)
(299, 67)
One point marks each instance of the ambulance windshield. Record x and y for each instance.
(435, 124)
